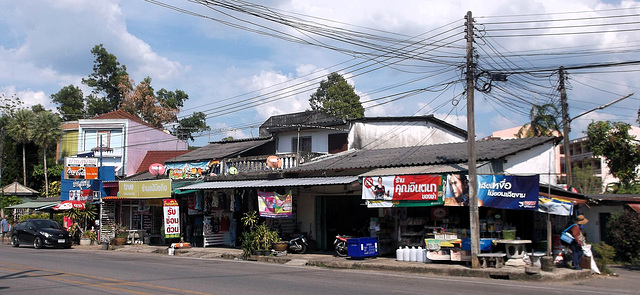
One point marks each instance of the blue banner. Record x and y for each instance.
(508, 191)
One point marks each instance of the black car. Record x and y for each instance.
(40, 233)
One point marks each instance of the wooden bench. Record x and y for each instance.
(496, 258)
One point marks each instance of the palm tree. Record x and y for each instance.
(543, 122)
(46, 132)
(20, 130)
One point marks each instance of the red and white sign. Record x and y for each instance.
(171, 218)
(426, 187)
(67, 205)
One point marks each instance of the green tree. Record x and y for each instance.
(8, 106)
(70, 102)
(172, 99)
(195, 123)
(336, 97)
(620, 149)
(107, 78)
(543, 122)
(585, 182)
(46, 133)
(141, 102)
(623, 231)
(20, 129)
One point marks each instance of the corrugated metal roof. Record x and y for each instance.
(273, 183)
(448, 153)
(33, 205)
(220, 150)
(412, 170)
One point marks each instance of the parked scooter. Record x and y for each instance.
(298, 245)
(340, 245)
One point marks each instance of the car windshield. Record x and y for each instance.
(46, 224)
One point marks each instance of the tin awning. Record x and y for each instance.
(273, 183)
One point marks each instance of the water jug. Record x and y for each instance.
(420, 254)
(399, 253)
(413, 254)
(405, 253)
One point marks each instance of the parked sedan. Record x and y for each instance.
(40, 233)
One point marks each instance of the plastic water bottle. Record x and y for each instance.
(420, 254)
(413, 254)
(399, 254)
(405, 253)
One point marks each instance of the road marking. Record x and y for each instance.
(108, 281)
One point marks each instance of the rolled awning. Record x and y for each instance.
(273, 183)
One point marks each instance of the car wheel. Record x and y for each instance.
(37, 242)
(14, 241)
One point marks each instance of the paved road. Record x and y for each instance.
(59, 271)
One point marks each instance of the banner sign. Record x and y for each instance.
(508, 191)
(145, 189)
(80, 168)
(274, 205)
(389, 204)
(426, 187)
(188, 170)
(171, 218)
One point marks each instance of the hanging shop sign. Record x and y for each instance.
(171, 218)
(188, 170)
(427, 187)
(508, 191)
(274, 205)
(145, 189)
(389, 204)
(456, 189)
(80, 168)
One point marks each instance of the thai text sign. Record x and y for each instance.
(145, 189)
(171, 218)
(509, 191)
(274, 205)
(426, 188)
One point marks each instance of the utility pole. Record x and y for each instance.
(565, 127)
(471, 145)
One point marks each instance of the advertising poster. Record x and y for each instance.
(81, 168)
(274, 205)
(171, 218)
(145, 189)
(425, 188)
(509, 191)
(456, 189)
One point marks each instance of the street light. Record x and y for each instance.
(567, 128)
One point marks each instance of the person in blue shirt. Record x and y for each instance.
(4, 224)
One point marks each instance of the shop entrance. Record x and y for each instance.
(345, 215)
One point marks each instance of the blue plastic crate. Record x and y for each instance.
(485, 244)
(362, 247)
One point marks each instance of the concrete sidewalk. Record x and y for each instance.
(378, 263)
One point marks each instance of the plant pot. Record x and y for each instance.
(85, 242)
(280, 246)
(105, 246)
(118, 241)
(263, 252)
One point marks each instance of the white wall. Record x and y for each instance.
(377, 135)
(592, 213)
(537, 160)
(319, 140)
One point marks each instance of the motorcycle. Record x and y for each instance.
(340, 245)
(298, 245)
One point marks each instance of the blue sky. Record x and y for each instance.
(45, 45)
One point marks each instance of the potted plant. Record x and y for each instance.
(118, 234)
(259, 238)
(81, 218)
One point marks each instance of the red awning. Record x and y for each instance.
(66, 205)
(635, 207)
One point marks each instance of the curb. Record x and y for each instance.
(375, 264)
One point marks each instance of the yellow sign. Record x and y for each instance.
(149, 189)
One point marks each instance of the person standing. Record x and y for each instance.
(4, 224)
(578, 240)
